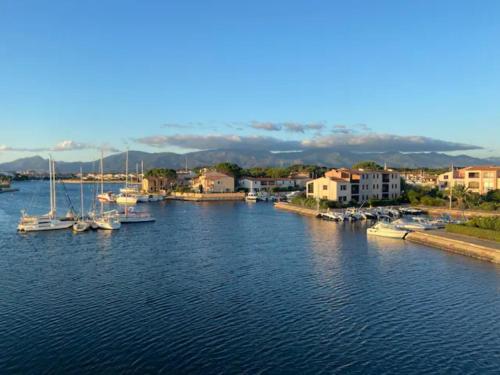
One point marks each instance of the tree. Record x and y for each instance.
(460, 193)
(367, 164)
(493, 196)
(162, 172)
(230, 169)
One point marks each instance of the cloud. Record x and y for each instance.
(66, 145)
(370, 142)
(292, 127)
(374, 142)
(210, 142)
(268, 126)
(301, 128)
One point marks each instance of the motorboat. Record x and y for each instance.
(130, 215)
(49, 221)
(155, 197)
(387, 230)
(251, 197)
(106, 197)
(412, 225)
(126, 199)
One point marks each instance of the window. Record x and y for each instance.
(310, 188)
(474, 185)
(445, 177)
(325, 187)
(473, 174)
(343, 187)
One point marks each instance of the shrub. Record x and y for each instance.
(487, 234)
(483, 222)
(488, 206)
(431, 201)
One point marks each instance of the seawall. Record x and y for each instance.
(206, 197)
(296, 209)
(459, 244)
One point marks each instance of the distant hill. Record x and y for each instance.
(247, 159)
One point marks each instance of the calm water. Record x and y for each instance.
(237, 288)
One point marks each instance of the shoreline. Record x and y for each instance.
(459, 244)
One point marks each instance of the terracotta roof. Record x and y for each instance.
(482, 168)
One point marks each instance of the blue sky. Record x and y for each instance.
(183, 75)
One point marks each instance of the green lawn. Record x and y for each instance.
(485, 234)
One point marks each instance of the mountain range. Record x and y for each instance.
(116, 163)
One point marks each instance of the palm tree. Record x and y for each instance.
(461, 193)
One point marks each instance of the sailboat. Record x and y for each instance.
(81, 225)
(49, 221)
(129, 215)
(127, 196)
(107, 197)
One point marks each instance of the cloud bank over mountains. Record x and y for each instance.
(369, 142)
(271, 136)
(66, 145)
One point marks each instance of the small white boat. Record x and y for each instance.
(109, 221)
(251, 197)
(412, 225)
(155, 197)
(107, 197)
(126, 199)
(81, 226)
(387, 230)
(129, 215)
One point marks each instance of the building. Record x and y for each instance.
(213, 182)
(421, 178)
(154, 184)
(357, 185)
(477, 179)
(256, 184)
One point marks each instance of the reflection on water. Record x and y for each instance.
(238, 288)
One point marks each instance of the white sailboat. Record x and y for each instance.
(82, 224)
(108, 220)
(49, 221)
(127, 197)
(129, 215)
(108, 196)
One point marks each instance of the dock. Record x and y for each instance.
(297, 209)
(206, 197)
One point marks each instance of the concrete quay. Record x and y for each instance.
(458, 243)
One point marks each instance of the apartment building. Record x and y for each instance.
(256, 184)
(478, 179)
(358, 185)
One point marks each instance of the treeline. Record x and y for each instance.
(236, 171)
(462, 197)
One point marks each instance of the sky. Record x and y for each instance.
(77, 76)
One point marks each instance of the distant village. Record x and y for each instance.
(360, 183)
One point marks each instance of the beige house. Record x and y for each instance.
(478, 179)
(358, 185)
(213, 182)
(156, 184)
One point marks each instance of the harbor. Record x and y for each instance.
(244, 267)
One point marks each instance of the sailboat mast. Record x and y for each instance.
(50, 187)
(102, 172)
(126, 170)
(54, 186)
(81, 194)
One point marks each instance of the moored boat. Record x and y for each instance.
(387, 230)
